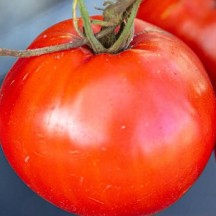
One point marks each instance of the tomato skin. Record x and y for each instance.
(125, 134)
(192, 21)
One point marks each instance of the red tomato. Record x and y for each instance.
(194, 21)
(124, 134)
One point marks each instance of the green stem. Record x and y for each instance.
(126, 8)
(120, 14)
(128, 31)
(96, 46)
(49, 49)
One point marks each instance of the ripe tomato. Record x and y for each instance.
(193, 21)
(124, 134)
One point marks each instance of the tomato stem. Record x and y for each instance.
(94, 43)
(114, 17)
(120, 14)
(126, 29)
(49, 49)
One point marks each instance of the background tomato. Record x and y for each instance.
(58, 167)
(193, 21)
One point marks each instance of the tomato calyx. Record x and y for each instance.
(115, 35)
(118, 18)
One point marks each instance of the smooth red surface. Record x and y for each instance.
(124, 134)
(194, 21)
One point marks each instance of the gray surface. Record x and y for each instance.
(20, 22)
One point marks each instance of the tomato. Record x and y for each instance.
(192, 21)
(109, 134)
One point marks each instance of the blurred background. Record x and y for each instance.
(20, 22)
